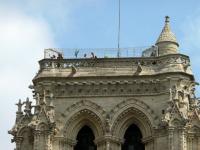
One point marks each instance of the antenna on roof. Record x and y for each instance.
(119, 28)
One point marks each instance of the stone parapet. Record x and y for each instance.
(114, 67)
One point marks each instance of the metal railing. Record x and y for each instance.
(54, 53)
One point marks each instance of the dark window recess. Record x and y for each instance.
(133, 139)
(85, 139)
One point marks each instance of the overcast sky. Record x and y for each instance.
(29, 26)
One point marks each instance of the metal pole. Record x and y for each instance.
(119, 28)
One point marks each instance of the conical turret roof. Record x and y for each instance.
(167, 35)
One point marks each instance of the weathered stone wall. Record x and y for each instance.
(156, 94)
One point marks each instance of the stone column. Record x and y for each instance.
(36, 140)
(191, 142)
(108, 142)
(69, 144)
(18, 142)
(101, 145)
(198, 142)
(149, 143)
(61, 143)
(42, 140)
(48, 141)
(171, 138)
(182, 139)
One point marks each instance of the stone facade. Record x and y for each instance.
(157, 94)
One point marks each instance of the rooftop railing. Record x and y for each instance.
(151, 51)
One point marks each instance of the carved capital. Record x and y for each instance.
(108, 139)
(18, 139)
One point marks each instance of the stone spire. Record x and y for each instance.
(167, 43)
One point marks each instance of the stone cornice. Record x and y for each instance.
(107, 87)
(73, 68)
(48, 80)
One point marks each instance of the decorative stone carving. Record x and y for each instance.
(134, 103)
(19, 105)
(28, 107)
(91, 112)
(108, 123)
(139, 69)
(127, 87)
(43, 114)
(147, 61)
(182, 107)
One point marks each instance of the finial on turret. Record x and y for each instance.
(167, 19)
(167, 43)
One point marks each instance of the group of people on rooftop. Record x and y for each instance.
(92, 55)
(60, 56)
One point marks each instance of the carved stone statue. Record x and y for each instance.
(167, 116)
(108, 124)
(139, 69)
(19, 105)
(28, 107)
(37, 99)
(51, 115)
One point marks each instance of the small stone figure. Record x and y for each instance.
(44, 98)
(167, 115)
(28, 107)
(51, 112)
(108, 124)
(139, 69)
(175, 92)
(37, 99)
(37, 106)
(19, 105)
(192, 90)
(171, 95)
(51, 115)
(73, 69)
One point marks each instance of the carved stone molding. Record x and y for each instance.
(100, 88)
(83, 113)
(150, 61)
(133, 111)
(84, 104)
(137, 105)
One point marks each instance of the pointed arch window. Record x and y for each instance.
(133, 139)
(85, 139)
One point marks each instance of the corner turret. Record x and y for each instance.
(167, 43)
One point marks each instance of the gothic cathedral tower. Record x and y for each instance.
(104, 103)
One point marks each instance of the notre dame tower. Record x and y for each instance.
(106, 103)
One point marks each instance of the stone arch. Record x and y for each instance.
(23, 130)
(42, 132)
(85, 103)
(136, 112)
(84, 113)
(27, 138)
(42, 126)
(177, 122)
